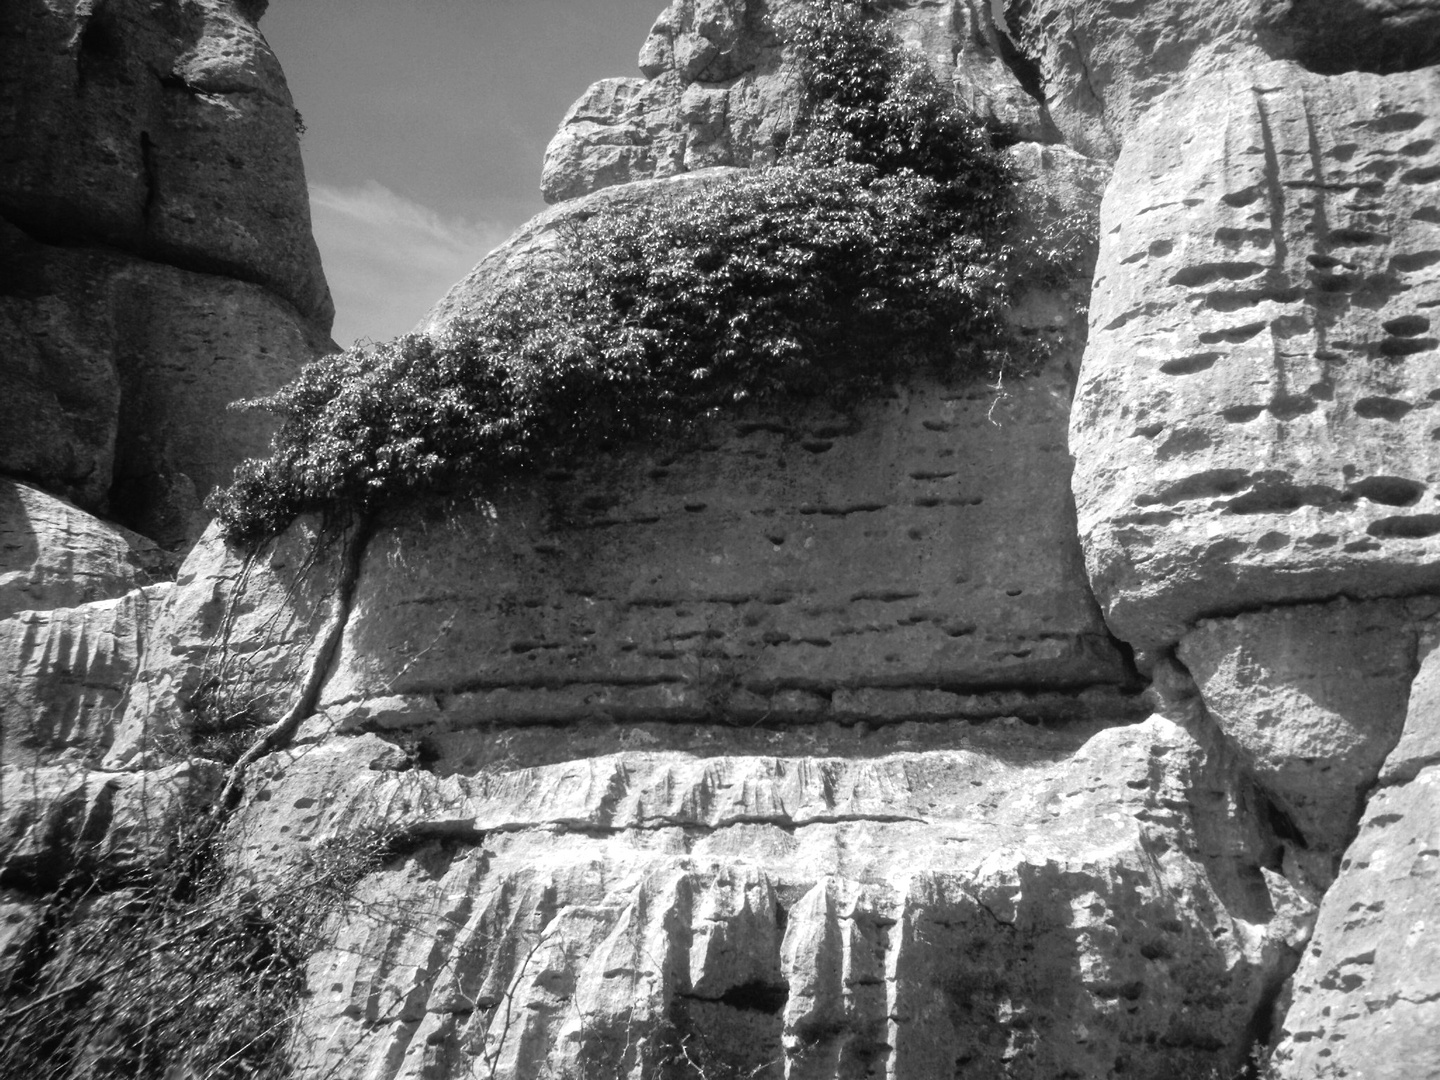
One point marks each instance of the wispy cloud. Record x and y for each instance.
(389, 258)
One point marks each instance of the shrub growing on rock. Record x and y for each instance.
(872, 247)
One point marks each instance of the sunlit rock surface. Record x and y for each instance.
(976, 733)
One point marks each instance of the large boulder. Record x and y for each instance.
(1252, 421)
(1312, 698)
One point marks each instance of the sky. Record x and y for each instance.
(426, 124)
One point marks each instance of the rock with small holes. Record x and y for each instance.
(1255, 421)
(1366, 999)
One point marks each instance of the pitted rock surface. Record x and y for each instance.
(1252, 422)
(1366, 1001)
(1100, 65)
(797, 566)
(167, 132)
(119, 373)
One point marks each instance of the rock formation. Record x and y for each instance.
(155, 235)
(1076, 727)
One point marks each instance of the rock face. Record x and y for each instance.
(1251, 425)
(928, 899)
(167, 133)
(902, 742)
(1366, 992)
(158, 263)
(719, 90)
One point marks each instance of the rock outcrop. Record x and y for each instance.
(718, 90)
(1251, 422)
(158, 262)
(913, 741)
(1365, 995)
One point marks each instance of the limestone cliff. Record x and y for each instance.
(1076, 727)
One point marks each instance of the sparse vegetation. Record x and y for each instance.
(171, 967)
(873, 247)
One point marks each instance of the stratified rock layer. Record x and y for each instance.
(811, 566)
(1253, 422)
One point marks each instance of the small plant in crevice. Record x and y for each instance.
(874, 247)
(172, 970)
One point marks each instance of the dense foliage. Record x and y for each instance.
(874, 245)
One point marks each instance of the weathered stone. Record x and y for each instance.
(1103, 63)
(60, 412)
(1334, 36)
(55, 556)
(811, 552)
(719, 90)
(65, 673)
(55, 819)
(1017, 901)
(1251, 422)
(1312, 698)
(1366, 999)
(165, 131)
(122, 371)
(715, 93)
(239, 643)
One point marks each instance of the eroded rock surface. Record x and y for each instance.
(803, 567)
(719, 90)
(119, 372)
(66, 672)
(1313, 697)
(1365, 1000)
(158, 262)
(241, 641)
(1252, 420)
(53, 555)
(798, 902)
(167, 132)
(802, 749)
